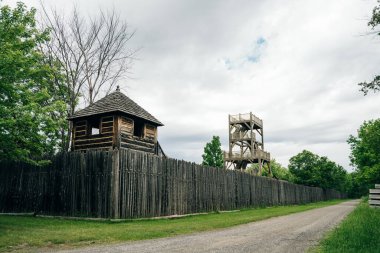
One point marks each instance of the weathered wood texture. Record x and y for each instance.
(115, 131)
(74, 184)
(137, 143)
(374, 196)
(83, 140)
(128, 184)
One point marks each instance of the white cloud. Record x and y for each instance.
(302, 83)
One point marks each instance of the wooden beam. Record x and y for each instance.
(115, 186)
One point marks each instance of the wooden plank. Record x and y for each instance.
(127, 125)
(374, 191)
(93, 140)
(138, 148)
(94, 145)
(374, 202)
(136, 140)
(115, 185)
(94, 136)
(374, 196)
(107, 124)
(107, 119)
(81, 123)
(150, 131)
(106, 129)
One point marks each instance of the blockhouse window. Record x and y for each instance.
(138, 129)
(94, 126)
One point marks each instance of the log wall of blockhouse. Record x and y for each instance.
(145, 143)
(83, 140)
(129, 184)
(137, 143)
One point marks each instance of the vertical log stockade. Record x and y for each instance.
(127, 184)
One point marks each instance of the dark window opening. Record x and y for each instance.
(94, 126)
(138, 129)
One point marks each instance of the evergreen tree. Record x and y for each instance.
(213, 155)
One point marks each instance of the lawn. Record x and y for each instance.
(19, 233)
(359, 232)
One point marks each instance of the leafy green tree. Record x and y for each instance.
(353, 185)
(278, 171)
(331, 175)
(374, 85)
(310, 169)
(303, 168)
(254, 169)
(30, 113)
(213, 155)
(365, 156)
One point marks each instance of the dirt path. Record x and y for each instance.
(291, 233)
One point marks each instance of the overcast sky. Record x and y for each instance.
(293, 63)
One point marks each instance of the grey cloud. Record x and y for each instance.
(329, 132)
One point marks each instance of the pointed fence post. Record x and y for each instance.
(115, 185)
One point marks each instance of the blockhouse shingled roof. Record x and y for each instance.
(116, 102)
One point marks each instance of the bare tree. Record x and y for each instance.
(92, 52)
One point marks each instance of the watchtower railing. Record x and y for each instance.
(243, 135)
(247, 117)
(255, 154)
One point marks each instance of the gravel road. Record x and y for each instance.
(290, 233)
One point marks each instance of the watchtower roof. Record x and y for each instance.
(116, 102)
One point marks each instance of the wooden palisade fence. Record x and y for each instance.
(127, 184)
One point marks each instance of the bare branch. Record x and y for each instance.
(92, 51)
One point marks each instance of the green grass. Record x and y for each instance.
(359, 232)
(26, 233)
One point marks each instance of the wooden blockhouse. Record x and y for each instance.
(115, 121)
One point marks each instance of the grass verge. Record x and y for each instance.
(18, 233)
(358, 233)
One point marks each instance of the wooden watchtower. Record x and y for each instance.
(115, 121)
(246, 142)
